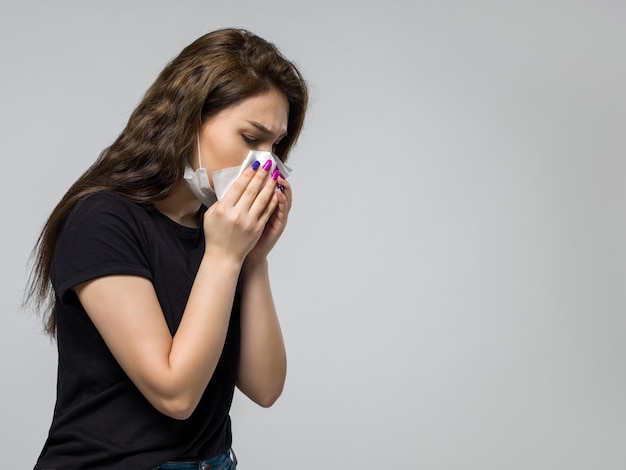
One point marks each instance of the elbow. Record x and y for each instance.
(264, 389)
(172, 399)
(266, 398)
(267, 402)
(179, 409)
(179, 414)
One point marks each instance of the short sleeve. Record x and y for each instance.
(103, 235)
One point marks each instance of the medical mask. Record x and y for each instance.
(199, 184)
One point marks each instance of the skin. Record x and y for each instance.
(240, 230)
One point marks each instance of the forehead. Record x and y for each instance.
(270, 109)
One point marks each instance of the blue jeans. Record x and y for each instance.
(225, 461)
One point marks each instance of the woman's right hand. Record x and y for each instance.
(234, 224)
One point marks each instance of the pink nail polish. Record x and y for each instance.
(275, 174)
(268, 165)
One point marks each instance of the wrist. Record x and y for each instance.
(253, 265)
(226, 263)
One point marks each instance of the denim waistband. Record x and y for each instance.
(227, 460)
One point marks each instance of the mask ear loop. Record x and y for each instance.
(199, 158)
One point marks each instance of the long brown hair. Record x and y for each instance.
(146, 162)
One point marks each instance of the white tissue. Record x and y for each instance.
(223, 179)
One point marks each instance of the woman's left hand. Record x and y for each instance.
(275, 225)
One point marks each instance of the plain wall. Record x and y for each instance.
(452, 283)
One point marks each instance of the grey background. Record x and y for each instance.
(452, 281)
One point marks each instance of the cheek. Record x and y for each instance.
(224, 153)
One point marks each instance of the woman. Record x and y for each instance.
(161, 303)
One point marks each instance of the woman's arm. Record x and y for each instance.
(263, 361)
(173, 372)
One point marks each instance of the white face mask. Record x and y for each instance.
(199, 184)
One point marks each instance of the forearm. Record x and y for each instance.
(171, 372)
(263, 362)
(199, 340)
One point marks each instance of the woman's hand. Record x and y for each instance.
(236, 223)
(275, 225)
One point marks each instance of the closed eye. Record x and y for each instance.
(249, 140)
(253, 141)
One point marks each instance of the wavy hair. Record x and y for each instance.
(146, 162)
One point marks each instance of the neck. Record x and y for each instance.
(181, 206)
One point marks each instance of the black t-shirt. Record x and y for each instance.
(101, 420)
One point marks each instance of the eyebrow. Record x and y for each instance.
(265, 130)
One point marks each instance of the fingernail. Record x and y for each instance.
(268, 165)
(282, 188)
(255, 165)
(281, 175)
(275, 175)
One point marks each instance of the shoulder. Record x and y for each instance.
(105, 207)
(104, 234)
(106, 201)
(105, 218)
